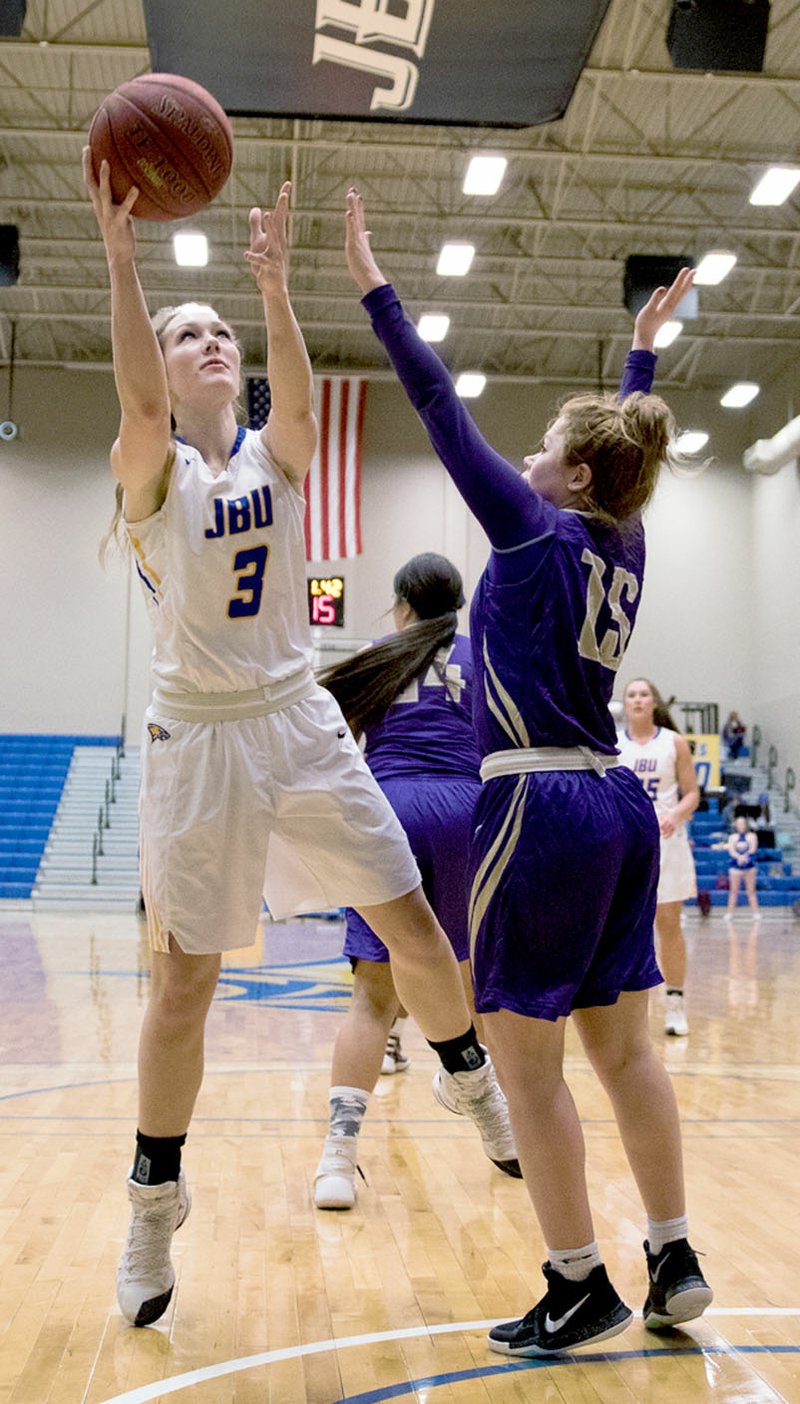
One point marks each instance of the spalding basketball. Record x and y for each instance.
(166, 135)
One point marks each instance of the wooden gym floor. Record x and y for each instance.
(279, 1303)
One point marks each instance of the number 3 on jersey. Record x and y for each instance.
(609, 649)
(249, 566)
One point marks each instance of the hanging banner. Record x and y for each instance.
(487, 63)
(705, 755)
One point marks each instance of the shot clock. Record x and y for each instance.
(326, 601)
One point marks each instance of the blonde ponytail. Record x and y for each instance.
(623, 442)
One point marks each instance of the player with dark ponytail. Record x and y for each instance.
(411, 696)
(366, 684)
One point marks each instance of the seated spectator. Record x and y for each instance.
(733, 734)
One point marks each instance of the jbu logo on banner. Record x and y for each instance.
(370, 23)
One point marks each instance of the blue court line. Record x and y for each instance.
(322, 1121)
(374, 1120)
(397, 1391)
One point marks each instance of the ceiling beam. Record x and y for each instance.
(528, 153)
(12, 202)
(451, 302)
(477, 330)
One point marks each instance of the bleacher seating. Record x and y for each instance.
(33, 769)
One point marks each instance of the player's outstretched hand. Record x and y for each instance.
(268, 254)
(114, 221)
(659, 309)
(360, 258)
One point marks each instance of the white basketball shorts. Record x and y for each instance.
(677, 879)
(280, 806)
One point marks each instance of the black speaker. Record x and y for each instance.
(9, 254)
(12, 18)
(644, 272)
(718, 34)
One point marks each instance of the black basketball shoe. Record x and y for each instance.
(570, 1314)
(678, 1290)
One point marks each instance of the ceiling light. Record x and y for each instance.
(470, 384)
(455, 260)
(740, 394)
(775, 186)
(432, 326)
(713, 267)
(667, 334)
(484, 174)
(191, 250)
(691, 441)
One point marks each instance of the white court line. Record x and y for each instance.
(146, 1393)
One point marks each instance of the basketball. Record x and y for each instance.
(168, 136)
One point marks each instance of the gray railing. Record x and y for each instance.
(104, 813)
(700, 717)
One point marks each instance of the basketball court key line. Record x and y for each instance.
(144, 1394)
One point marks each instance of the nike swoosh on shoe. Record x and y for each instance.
(656, 1272)
(552, 1326)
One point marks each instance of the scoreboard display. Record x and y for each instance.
(326, 601)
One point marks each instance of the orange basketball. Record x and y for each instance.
(168, 136)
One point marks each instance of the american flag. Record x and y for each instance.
(333, 486)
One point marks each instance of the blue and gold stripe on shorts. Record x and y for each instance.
(487, 878)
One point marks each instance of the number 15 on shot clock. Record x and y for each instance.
(326, 600)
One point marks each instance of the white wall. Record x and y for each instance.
(698, 533)
(775, 580)
(720, 614)
(62, 617)
(695, 627)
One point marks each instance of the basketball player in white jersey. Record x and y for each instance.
(656, 752)
(248, 767)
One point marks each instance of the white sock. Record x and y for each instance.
(674, 989)
(348, 1106)
(575, 1263)
(659, 1233)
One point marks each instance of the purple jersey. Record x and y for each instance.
(428, 728)
(556, 604)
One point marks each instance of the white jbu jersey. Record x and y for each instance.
(655, 764)
(222, 565)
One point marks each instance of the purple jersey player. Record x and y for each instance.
(411, 697)
(564, 858)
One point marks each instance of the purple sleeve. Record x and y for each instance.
(510, 513)
(640, 368)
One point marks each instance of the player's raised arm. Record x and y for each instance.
(492, 488)
(660, 307)
(290, 433)
(139, 455)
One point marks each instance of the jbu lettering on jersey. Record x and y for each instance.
(236, 514)
(644, 766)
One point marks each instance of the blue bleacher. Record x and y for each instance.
(33, 769)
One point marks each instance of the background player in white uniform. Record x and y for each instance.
(248, 765)
(653, 748)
